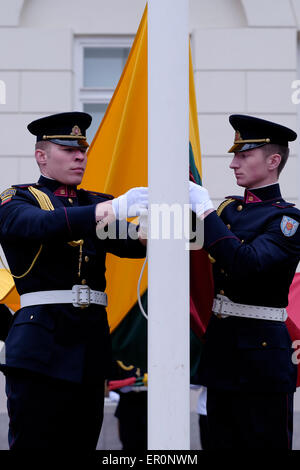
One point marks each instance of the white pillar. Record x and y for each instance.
(168, 264)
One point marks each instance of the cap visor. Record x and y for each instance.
(235, 148)
(80, 143)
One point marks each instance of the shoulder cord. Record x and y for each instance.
(45, 204)
(122, 365)
(223, 205)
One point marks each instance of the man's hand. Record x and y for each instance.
(200, 200)
(130, 204)
(104, 214)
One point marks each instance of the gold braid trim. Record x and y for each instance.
(42, 198)
(46, 205)
(122, 365)
(43, 203)
(223, 205)
(28, 270)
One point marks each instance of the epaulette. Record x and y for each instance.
(94, 193)
(8, 194)
(23, 186)
(283, 204)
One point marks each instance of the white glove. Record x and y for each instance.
(131, 203)
(199, 199)
(143, 224)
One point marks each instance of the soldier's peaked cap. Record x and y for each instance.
(63, 128)
(252, 132)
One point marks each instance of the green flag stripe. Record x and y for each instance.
(129, 339)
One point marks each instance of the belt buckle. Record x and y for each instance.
(78, 292)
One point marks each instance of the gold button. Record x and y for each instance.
(70, 200)
(83, 281)
(239, 208)
(250, 198)
(86, 259)
(242, 241)
(222, 292)
(222, 271)
(31, 317)
(264, 344)
(228, 226)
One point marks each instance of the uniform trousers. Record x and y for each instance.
(132, 414)
(244, 420)
(46, 413)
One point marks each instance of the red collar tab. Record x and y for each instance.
(250, 197)
(65, 191)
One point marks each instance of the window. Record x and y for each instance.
(98, 63)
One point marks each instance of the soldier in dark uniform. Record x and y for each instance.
(58, 349)
(254, 244)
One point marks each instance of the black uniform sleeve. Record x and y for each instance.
(268, 250)
(21, 219)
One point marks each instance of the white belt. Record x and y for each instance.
(223, 307)
(79, 296)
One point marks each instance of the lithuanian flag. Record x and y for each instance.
(117, 161)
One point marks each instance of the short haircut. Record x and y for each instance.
(271, 149)
(42, 145)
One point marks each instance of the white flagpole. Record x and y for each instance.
(168, 262)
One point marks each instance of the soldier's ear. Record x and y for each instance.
(273, 161)
(41, 156)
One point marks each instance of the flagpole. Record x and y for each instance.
(168, 264)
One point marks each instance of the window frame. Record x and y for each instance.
(94, 94)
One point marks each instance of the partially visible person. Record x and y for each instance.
(202, 418)
(131, 384)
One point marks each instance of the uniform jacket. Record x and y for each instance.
(58, 340)
(255, 249)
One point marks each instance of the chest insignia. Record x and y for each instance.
(288, 226)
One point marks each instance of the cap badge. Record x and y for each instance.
(288, 226)
(76, 131)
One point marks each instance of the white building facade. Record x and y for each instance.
(64, 55)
